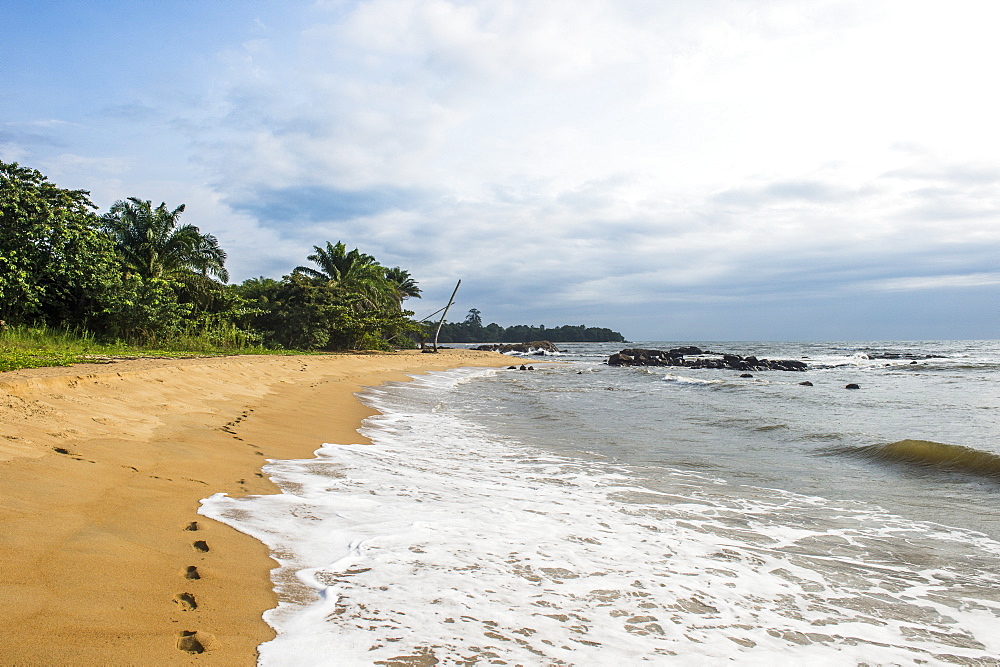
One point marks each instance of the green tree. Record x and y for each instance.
(352, 272)
(145, 311)
(474, 318)
(403, 286)
(258, 292)
(154, 245)
(309, 314)
(56, 266)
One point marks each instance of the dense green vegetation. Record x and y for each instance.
(473, 331)
(74, 283)
(136, 280)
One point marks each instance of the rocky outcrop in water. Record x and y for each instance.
(534, 347)
(901, 355)
(694, 357)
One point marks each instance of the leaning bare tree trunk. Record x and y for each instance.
(443, 315)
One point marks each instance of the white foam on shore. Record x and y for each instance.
(442, 539)
(681, 379)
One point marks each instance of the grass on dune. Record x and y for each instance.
(35, 347)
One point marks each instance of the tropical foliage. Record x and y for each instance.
(138, 274)
(55, 265)
(313, 313)
(403, 286)
(349, 301)
(350, 272)
(152, 244)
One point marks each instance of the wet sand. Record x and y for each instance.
(103, 557)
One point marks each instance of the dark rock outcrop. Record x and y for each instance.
(694, 357)
(901, 355)
(534, 347)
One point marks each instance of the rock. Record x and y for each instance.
(788, 365)
(537, 347)
(746, 375)
(807, 383)
(694, 357)
(852, 386)
(619, 359)
(902, 355)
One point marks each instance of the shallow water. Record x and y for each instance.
(585, 514)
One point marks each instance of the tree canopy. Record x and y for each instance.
(153, 244)
(55, 264)
(137, 274)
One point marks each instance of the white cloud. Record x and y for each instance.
(919, 283)
(42, 123)
(572, 150)
(468, 96)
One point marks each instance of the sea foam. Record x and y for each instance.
(445, 541)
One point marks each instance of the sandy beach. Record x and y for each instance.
(103, 557)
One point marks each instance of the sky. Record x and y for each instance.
(672, 169)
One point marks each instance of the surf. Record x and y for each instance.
(929, 455)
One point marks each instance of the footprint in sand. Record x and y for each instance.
(191, 572)
(191, 641)
(200, 546)
(192, 526)
(186, 601)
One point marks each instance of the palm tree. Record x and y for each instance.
(352, 271)
(152, 244)
(335, 263)
(403, 285)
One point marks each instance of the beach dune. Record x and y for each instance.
(103, 557)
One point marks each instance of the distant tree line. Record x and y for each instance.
(473, 331)
(137, 274)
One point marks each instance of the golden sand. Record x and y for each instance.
(102, 467)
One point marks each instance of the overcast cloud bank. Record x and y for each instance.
(689, 170)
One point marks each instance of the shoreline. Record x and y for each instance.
(102, 470)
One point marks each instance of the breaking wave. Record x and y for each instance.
(930, 455)
(680, 379)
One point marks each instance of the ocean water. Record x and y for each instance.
(581, 514)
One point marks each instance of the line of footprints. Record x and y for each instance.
(192, 641)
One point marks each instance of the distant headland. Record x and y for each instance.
(472, 331)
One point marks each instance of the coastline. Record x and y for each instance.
(102, 467)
